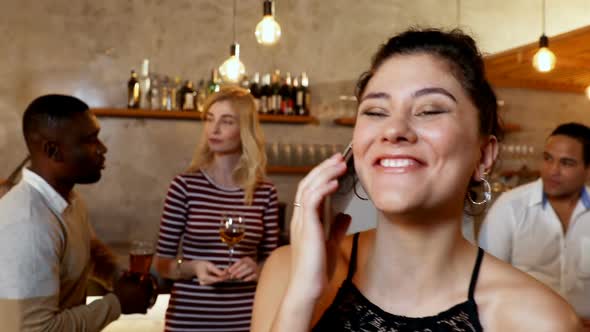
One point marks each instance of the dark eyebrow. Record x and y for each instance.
(427, 91)
(375, 95)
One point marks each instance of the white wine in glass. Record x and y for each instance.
(231, 231)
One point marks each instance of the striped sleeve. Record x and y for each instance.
(270, 237)
(174, 217)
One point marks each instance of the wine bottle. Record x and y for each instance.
(188, 97)
(133, 91)
(306, 93)
(286, 95)
(255, 90)
(275, 86)
(265, 95)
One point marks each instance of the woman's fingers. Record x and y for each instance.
(214, 270)
(244, 272)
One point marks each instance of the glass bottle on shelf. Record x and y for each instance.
(155, 102)
(145, 85)
(286, 96)
(275, 103)
(173, 88)
(302, 96)
(188, 97)
(255, 90)
(265, 95)
(166, 94)
(201, 96)
(214, 82)
(307, 93)
(133, 91)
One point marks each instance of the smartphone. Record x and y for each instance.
(339, 200)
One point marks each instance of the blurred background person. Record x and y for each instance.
(543, 228)
(225, 180)
(47, 245)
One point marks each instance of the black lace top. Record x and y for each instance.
(352, 311)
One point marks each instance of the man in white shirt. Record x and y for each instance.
(45, 237)
(543, 228)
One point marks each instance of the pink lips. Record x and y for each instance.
(214, 141)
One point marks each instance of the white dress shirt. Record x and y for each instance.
(522, 228)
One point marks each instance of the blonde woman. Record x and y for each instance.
(226, 177)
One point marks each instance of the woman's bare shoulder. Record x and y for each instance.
(511, 300)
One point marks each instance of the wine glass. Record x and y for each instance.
(231, 231)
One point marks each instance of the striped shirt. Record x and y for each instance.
(193, 210)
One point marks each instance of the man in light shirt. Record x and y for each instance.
(543, 228)
(46, 242)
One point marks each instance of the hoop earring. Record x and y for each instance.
(355, 190)
(487, 194)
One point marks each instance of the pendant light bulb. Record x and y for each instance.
(232, 70)
(588, 91)
(268, 30)
(544, 59)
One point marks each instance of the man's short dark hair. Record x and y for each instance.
(49, 111)
(579, 132)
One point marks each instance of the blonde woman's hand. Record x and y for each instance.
(244, 269)
(207, 273)
(309, 256)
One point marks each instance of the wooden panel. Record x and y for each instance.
(514, 69)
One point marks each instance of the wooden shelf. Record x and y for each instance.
(142, 113)
(349, 121)
(511, 127)
(345, 121)
(288, 169)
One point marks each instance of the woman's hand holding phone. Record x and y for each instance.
(309, 256)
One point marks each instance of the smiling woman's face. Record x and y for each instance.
(416, 142)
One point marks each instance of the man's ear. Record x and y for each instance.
(489, 153)
(52, 150)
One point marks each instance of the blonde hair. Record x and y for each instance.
(251, 167)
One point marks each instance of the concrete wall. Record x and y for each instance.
(87, 48)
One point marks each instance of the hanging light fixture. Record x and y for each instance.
(232, 70)
(588, 91)
(544, 59)
(268, 31)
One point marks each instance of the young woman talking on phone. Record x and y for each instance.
(426, 134)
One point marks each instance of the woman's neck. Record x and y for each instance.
(414, 261)
(222, 167)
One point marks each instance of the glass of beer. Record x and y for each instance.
(140, 256)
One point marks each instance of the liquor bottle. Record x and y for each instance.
(188, 97)
(166, 94)
(265, 95)
(213, 85)
(133, 91)
(306, 93)
(145, 85)
(297, 97)
(173, 90)
(302, 96)
(275, 86)
(201, 96)
(255, 90)
(286, 94)
(155, 102)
